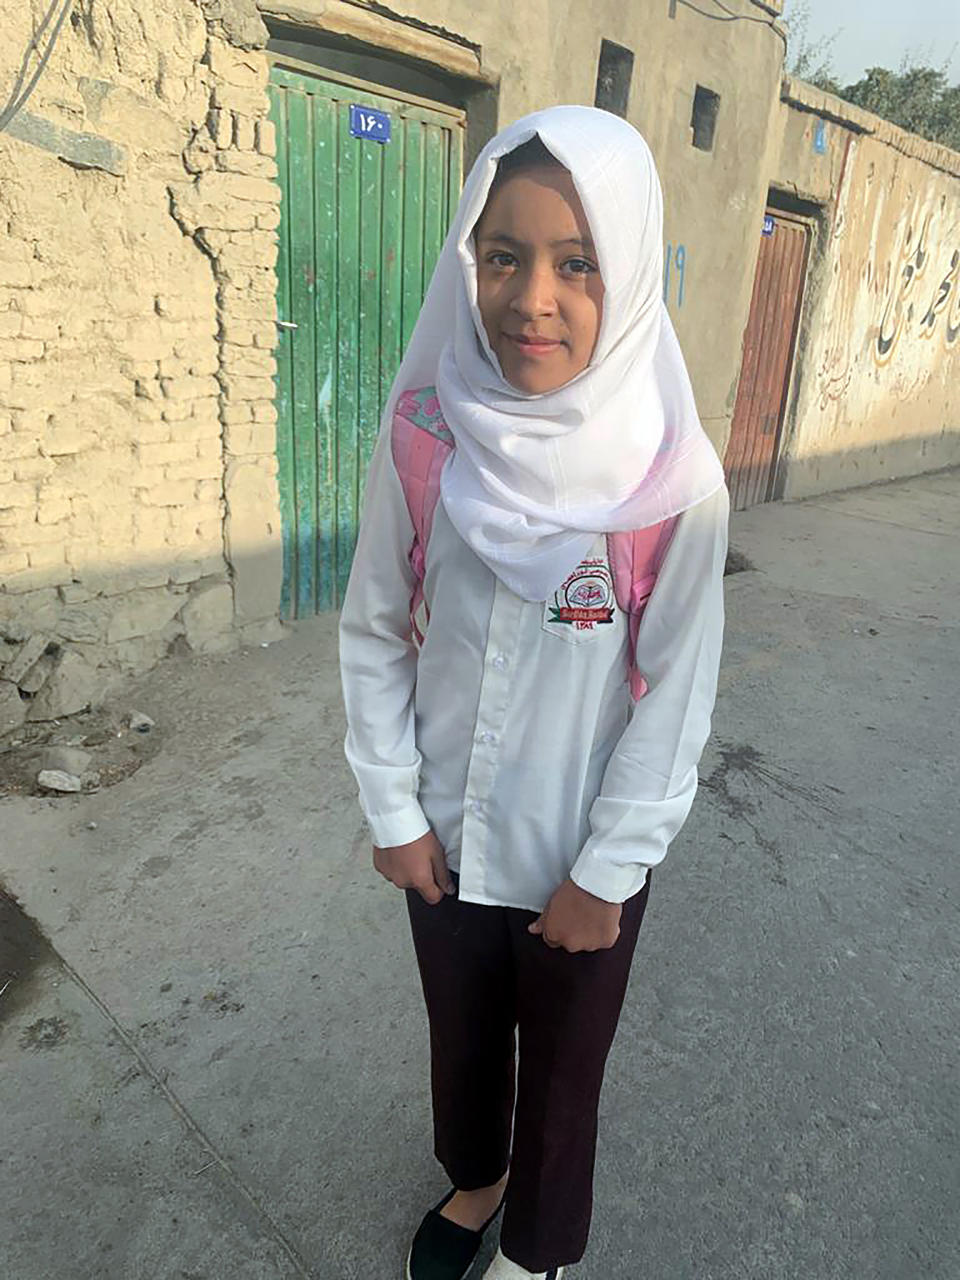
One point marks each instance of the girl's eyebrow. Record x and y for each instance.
(583, 242)
(502, 237)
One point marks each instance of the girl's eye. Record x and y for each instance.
(580, 266)
(500, 258)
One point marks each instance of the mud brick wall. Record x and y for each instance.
(138, 211)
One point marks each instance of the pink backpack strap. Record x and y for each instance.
(421, 443)
(635, 560)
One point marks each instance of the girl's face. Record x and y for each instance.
(539, 289)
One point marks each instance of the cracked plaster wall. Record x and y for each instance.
(137, 468)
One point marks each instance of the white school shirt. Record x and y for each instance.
(512, 734)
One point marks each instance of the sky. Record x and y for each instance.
(875, 33)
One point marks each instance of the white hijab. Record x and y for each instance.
(535, 478)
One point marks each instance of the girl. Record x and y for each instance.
(525, 767)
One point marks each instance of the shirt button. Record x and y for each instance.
(487, 738)
(500, 661)
(471, 806)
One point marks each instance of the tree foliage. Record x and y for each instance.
(810, 60)
(917, 97)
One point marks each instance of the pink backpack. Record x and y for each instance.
(422, 442)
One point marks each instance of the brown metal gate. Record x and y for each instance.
(768, 344)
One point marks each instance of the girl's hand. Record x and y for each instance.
(420, 865)
(577, 921)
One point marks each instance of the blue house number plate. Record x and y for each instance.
(769, 225)
(367, 123)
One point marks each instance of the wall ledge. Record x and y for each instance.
(807, 97)
(377, 25)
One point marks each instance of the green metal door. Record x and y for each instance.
(362, 224)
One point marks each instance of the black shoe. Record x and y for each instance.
(441, 1249)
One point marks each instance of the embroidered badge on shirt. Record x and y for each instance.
(585, 601)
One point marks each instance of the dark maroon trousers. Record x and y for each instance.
(484, 976)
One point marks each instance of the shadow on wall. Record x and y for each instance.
(820, 473)
(63, 647)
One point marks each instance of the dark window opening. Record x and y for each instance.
(614, 73)
(703, 122)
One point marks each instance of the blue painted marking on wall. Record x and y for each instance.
(681, 259)
(820, 138)
(369, 124)
(675, 257)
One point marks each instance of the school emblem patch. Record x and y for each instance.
(586, 600)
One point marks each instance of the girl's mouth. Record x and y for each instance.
(533, 345)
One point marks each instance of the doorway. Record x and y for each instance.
(768, 348)
(370, 179)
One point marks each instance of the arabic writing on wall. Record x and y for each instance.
(908, 295)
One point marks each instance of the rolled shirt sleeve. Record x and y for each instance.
(651, 778)
(378, 661)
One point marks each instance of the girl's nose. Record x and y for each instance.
(535, 295)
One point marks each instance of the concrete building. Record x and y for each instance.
(875, 387)
(210, 259)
